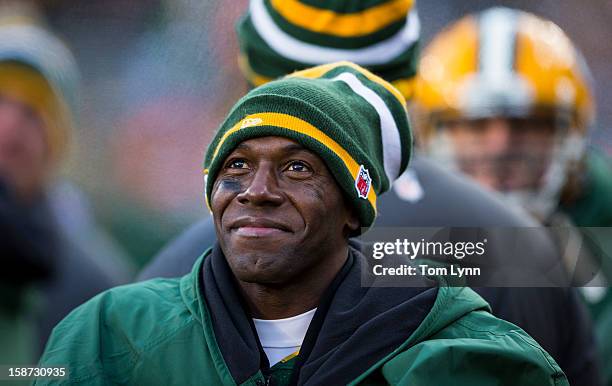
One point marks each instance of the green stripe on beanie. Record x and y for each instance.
(342, 6)
(353, 120)
(275, 42)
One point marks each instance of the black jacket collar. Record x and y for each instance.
(352, 329)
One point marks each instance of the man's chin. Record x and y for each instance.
(255, 268)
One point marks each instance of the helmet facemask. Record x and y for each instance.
(526, 159)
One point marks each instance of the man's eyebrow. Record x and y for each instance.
(294, 147)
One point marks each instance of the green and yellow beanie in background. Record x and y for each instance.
(37, 69)
(22, 83)
(354, 120)
(278, 37)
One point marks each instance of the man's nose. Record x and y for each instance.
(499, 135)
(262, 189)
(12, 118)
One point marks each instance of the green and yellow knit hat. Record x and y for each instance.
(278, 37)
(354, 120)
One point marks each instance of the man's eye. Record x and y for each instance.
(298, 166)
(237, 164)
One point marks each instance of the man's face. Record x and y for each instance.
(503, 154)
(278, 211)
(24, 158)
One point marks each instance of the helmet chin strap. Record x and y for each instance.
(538, 204)
(542, 202)
(440, 148)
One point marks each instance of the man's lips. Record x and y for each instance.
(258, 227)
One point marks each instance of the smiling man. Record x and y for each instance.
(292, 173)
(283, 225)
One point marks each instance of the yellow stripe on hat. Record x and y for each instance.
(289, 122)
(328, 22)
(319, 71)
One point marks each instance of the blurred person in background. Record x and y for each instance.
(38, 99)
(152, 65)
(504, 97)
(138, 148)
(278, 38)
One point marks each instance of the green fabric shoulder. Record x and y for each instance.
(605, 335)
(17, 327)
(594, 207)
(144, 333)
(461, 343)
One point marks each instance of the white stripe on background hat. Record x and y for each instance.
(294, 49)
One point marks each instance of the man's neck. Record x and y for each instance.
(278, 301)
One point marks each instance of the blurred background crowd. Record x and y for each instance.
(151, 81)
(158, 76)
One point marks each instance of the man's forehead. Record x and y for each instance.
(271, 143)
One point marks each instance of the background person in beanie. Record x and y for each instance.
(279, 299)
(38, 80)
(276, 38)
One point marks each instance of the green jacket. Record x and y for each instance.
(605, 335)
(162, 332)
(594, 206)
(592, 211)
(17, 327)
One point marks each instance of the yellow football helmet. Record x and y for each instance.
(505, 63)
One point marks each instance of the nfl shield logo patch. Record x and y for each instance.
(363, 182)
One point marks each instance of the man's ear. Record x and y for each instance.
(352, 222)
